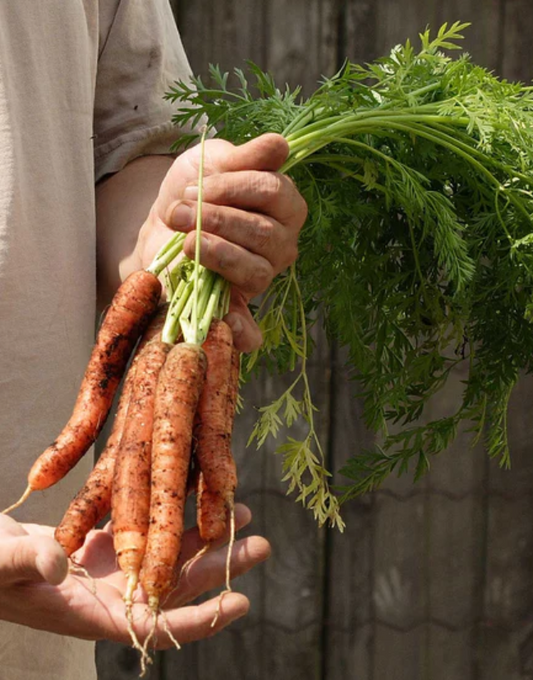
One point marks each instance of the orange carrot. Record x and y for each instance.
(214, 417)
(212, 506)
(211, 512)
(179, 388)
(129, 312)
(130, 500)
(93, 501)
(213, 430)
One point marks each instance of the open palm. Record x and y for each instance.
(92, 608)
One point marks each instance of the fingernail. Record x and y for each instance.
(191, 192)
(183, 216)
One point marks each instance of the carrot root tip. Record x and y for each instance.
(217, 613)
(20, 501)
(169, 632)
(231, 543)
(149, 637)
(228, 588)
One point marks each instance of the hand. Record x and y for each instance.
(36, 589)
(251, 218)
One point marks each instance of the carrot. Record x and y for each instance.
(93, 502)
(220, 393)
(213, 430)
(179, 388)
(212, 506)
(129, 312)
(130, 499)
(214, 417)
(211, 512)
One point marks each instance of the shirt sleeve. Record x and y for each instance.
(140, 56)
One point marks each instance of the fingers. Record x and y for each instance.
(251, 273)
(267, 152)
(188, 624)
(257, 233)
(31, 558)
(246, 334)
(209, 571)
(265, 192)
(192, 543)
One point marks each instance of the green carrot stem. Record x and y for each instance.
(191, 333)
(211, 306)
(195, 338)
(172, 327)
(167, 254)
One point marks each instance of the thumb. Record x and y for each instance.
(32, 558)
(267, 152)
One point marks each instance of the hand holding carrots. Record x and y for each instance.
(252, 216)
(37, 591)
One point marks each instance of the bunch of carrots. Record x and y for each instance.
(171, 434)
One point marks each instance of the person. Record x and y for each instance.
(88, 193)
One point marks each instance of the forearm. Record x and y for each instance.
(123, 202)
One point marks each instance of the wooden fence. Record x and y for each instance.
(432, 581)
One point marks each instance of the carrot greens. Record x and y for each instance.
(417, 170)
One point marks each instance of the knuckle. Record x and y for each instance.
(215, 222)
(300, 209)
(218, 255)
(259, 278)
(262, 234)
(267, 184)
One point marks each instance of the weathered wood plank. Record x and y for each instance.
(508, 575)
(506, 631)
(301, 41)
(482, 38)
(398, 21)
(348, 632)
(455, 507)
(400, 586)
(358, 30)
(516, 26)
(225, 33)
(121, 662)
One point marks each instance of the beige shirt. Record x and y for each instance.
(81, 87)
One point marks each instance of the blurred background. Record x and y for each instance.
(432, 581)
